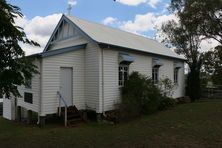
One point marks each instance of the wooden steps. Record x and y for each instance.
(73, 116)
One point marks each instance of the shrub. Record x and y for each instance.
(91, 115)
(166, 87)
(166, 103)
(139, 96)
(183, 100)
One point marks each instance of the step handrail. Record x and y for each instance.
(66, 106)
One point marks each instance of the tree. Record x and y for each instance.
(198, 20)
(204, 15)
(213, 65)
(186, 42)
(15, 68)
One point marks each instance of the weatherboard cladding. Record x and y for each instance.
(143, 64)
(35, 90)
(51, 79)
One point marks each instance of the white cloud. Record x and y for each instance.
(109, 21)
(145, 22)
(72, 2)
(152, 3)
(160, 20)
(132, 2)
(208, 44)
(38, 29)
(140, 24)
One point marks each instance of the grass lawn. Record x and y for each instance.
(188, 125)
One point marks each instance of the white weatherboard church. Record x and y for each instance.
(85, 64)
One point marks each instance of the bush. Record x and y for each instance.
(183, 100)
(139, 96)
(166, 87)
(166, 103)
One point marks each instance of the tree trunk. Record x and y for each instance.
(193, 83)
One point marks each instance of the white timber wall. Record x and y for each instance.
(35, 90)
(142, 64)
(51, 80)
(180, 88)
(7, 109)
(92, 77)
(167, 71)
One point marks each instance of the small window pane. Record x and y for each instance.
(155, 75)
(176, 75)
(28, 97)
(123, 74)
(120, 76)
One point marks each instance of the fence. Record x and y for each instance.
(213, 92)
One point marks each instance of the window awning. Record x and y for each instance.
(157, 63)
(125, 58)
(178, 65)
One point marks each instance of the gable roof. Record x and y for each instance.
(107, 35)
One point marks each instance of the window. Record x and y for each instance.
(28, 97)
(175, 75)
(123, 74)
(28, 83)
(155, 75)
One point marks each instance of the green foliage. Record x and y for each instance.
(201, 19)
(166, 86)
(166, 103)
(188, 44)
(205, 16)
(14, 67)
(198, 20)
(139, 96)
(213, 65)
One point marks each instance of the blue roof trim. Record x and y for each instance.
(123, 57)
(63, 50)
(36, 55)
(53, 33)
(178, 65)
(157, 62)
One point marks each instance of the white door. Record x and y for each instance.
(66, 85)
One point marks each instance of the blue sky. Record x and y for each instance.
(94, 10)
(136, 16)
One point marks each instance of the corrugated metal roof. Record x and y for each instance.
(108, 35)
